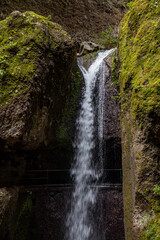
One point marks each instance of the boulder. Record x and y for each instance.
(36, 82)
(88, 47)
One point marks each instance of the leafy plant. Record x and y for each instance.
(1, 72)
(156, 189)
(49, 17)
(152, 230)
(129, 4)
(107, 39)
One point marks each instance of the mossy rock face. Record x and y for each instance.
(139, 50)
(139, 54)
(22, 36)
(37, 80)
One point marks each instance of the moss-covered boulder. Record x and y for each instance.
(37, 84)
(139, 50)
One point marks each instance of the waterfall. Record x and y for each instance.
(85, 171)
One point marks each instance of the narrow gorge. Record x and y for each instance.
(80, 120)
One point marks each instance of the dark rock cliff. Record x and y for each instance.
(140, 103)
(15, 214)
(38, 94)
(82, 19)
(112, 129)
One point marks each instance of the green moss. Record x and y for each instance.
(152, 229)
(139, 49)
(23, 38)
(156, 189)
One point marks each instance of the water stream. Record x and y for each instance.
(85, 170)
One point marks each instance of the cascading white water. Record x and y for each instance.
(84, 170)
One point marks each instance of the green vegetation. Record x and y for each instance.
(139, 54)
(23, 38)
(126, 2)
(152, 230)
(107, 39)
(156, 189)
(139, 80)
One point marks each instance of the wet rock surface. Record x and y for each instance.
(50, 209)
(8, 202)
(113, 214)
(111, 124)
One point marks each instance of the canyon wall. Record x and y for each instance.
(40, 81)
(82, 19)
(139, 51)
(40, 85)
(111, 124)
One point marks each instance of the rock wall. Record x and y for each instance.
(39, 85)
(82, 19)
(8, 201)
(49, 211)
(15, 214)
(139, 51)
(111, 125)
